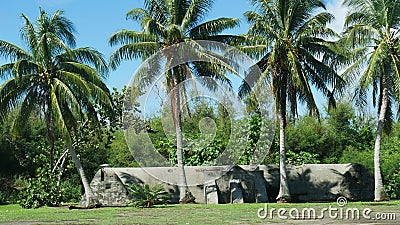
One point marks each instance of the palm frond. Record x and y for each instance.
(22, 67)
(28, 106)
(137, 14)
(57, 113)
(6, 70)
(123, 37)
(88, 57)
(67, 97)
(60, 26)
(232, 40)
(195, 13)
(133, 51)
(28, 33)
(149, 71)
(212, 27)
(12, 52)
(157, 9)
(85, 72)
(11, 92)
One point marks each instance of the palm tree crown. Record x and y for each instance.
(291, 40)
(50, 76)
(372, 32)
(168, 22)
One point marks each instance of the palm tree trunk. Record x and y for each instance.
(179, 146)
(175, 107)
(51, 136)
(284, 194)
(380, 194)
(90, 200)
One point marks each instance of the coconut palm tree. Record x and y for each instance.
(166, 23)
(372, 33)
(51, 79)
(289, 39)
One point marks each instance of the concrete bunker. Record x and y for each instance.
(240, 184)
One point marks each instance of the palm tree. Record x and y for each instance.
(53, 80)
(289, 39)
(166, 23)
(372, 32)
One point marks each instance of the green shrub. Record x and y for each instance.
(146, 196)
(70, 192)
(301, 158)
(390, 164)
(393, 185)
(353, 155)
(41, 191)
(8, 191)
(3, 195)
(8, 195)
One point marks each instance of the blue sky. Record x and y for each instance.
(95, 21)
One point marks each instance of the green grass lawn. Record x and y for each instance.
(180, 214)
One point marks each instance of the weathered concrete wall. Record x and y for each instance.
(225, 184)
(108, 188)
(322, 182)
(240, 185)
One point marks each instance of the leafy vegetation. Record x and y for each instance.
(146, 196)
(337, 137)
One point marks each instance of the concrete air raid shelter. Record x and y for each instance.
(240, 184)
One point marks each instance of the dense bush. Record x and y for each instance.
(41, 191)
(118, 153)
(48, 186)
(393, 185)
(8, 193)
(70, 191)
(199, 148)
(390, 159)
(300, 158)
(330, 137)
(46, 190)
